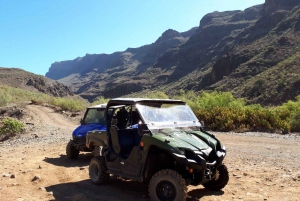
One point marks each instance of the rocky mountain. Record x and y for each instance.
(253, 53)
(103, 74)
(18, 78)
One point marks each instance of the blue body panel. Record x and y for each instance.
(82, 130)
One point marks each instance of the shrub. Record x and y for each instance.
(10, 127)
(157, 94)
(5, 99)
(281, 85)
(270, 49)
(70, 104)
(295, 122)
(247, 118)
(10, 94)
(100, 100)
(294, 108)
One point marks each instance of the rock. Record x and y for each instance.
(42, 188)
(13, 176)
(35, 135)
(40, 167)
(6, 175)
(81, 168)
(36, 177)
(50, 193)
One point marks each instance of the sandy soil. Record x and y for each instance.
(35, 167)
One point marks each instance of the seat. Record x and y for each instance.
(122, 141)
(122, 117)
(135, 117)
(115, 139)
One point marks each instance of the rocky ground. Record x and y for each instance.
(34, 166)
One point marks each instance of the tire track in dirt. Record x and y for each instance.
(47, 115)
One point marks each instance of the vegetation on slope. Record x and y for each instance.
(10, 127)
(9, 95)
(222, 112)
(219, 110)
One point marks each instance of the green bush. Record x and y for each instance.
(295, 122)
(270, 49)
(100, 100)
(70, 104)
(15, 95)
(294, 108)
(156, 94)
(221, 111)
(244, 119)
(11, 127)
(5, 98)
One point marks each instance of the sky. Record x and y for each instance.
(36, 33)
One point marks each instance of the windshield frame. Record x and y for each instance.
(94, 115)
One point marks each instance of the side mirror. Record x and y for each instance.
(81, 121)
(142, 129)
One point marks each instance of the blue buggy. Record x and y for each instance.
(93, 119)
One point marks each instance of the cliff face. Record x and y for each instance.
(94, 75)
(229, 51)
(25, 80)
(274, 5)
(87, 63)
(267, 53)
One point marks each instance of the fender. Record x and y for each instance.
(96, 138)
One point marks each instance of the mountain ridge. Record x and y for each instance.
(18, 78)
(228, 51)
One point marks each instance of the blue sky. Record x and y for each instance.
(36, 33)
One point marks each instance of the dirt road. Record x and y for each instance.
(35, 166)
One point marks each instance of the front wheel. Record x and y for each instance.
(72, 152)
(220, 181)
(98, 170)
(167, 185)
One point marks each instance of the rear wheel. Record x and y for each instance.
(98, 170)
(72, 152)
(220, 180)
(167, 185)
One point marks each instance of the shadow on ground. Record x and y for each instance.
(197, 194)
(117, 189)
(63, 160)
